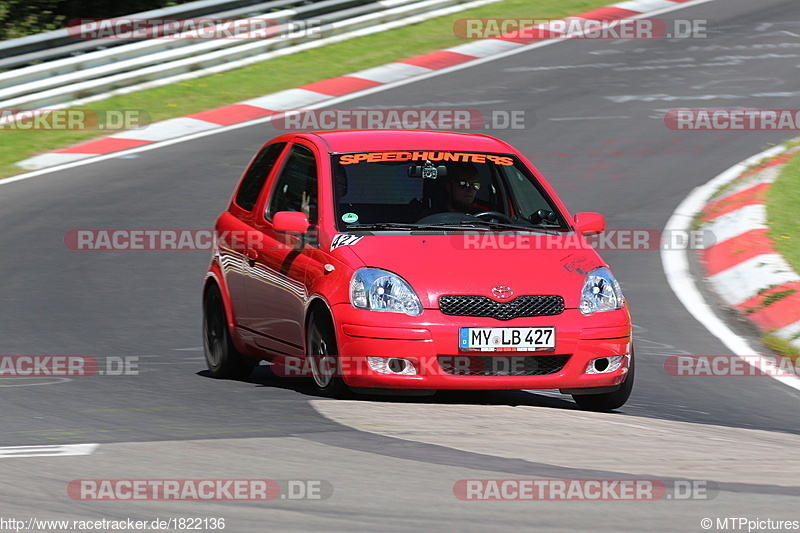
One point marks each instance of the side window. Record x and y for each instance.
(296, 189)
(528, 197)
(256, 176)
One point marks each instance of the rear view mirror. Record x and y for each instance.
(427, 171)
(290, 222)
(590, 223)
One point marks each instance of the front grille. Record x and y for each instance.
(486, 307)
(515, 365)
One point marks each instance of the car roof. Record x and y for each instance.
(382, 140)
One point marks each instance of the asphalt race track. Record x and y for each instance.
(593, 116)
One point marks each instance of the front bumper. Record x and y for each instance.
(430, 342)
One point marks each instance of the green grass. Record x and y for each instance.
(783, 212)
(770, 299)
(282, 73)
(783, 217)
(777, 296)
(781, 346)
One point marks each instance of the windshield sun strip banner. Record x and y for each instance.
(377, 157)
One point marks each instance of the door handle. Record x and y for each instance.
(251, 255)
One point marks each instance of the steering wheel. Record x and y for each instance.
(445, 218)
(494, 214)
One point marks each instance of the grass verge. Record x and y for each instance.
(781, 346)
(783, 212)
(285, 72)
(783, 203)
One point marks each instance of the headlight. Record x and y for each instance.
(381, 290)
(600, 292)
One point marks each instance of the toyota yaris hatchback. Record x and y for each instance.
(413, 261)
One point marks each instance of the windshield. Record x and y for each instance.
(416, 190)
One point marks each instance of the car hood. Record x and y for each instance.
(436, 265)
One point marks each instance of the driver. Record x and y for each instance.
(462, 187)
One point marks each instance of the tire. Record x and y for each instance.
(222, 358)
(322, 351)
(610, 400)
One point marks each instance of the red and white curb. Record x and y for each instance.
(682, 281)
(743, 266)
(315, 93)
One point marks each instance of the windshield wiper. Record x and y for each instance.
(455, 226)
(385, 225)
(478, 223)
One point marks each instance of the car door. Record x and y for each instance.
(276, 291)
(235, 228)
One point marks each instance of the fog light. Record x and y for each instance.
(392, 365)
(604, 365)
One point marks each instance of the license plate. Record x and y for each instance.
(507, 339)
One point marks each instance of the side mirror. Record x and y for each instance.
(590, 223)
(290, 222)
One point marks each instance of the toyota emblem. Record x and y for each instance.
(502, 292)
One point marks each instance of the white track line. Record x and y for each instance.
(676, 266)
(8, 452)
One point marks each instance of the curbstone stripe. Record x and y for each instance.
(743, 265)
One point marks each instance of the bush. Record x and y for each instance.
(25, 17)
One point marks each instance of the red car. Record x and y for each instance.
(413, 261)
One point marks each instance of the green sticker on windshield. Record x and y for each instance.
(349, 218)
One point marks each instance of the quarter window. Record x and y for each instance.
(256, 175)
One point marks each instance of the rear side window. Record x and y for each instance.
(257, 175)
(296, 189)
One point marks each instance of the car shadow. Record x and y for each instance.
(263, 376)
